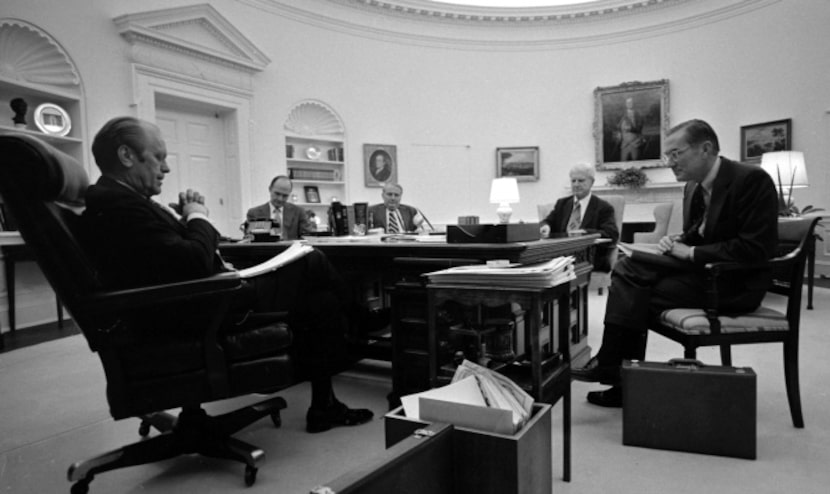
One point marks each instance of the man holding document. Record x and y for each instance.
(730, 213)
(135, 242)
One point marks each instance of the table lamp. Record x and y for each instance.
(504, 191)
(789, 172)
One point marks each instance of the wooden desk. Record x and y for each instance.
(397, 268)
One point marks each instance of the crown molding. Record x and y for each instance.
(422, 22)
(197, 31)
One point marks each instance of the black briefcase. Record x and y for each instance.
(684, 405)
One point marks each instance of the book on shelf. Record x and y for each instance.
(312, 174)
(650, 253)
(542, 275)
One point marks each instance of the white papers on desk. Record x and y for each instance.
(542, 275)
(289, 255)
(465, 391)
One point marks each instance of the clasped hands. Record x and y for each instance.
(189, 202)
(671, 245)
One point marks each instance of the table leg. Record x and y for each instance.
(811, 270)
(8, 265)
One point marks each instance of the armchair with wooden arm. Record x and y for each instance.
(153, 362)
(694, 328)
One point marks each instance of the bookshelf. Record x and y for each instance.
(315, 157)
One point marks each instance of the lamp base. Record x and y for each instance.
(504, 211)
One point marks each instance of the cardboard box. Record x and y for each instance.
(500, 233)
(487, 462)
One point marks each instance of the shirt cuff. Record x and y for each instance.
(691, 254)
(201, 216)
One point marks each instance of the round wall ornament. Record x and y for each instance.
(52, 119)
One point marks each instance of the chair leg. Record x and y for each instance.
(791, 379)
(726, 355)
(194, 432)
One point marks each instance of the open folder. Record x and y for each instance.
(289, 255)
(650, 253)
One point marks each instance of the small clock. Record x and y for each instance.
(313, 153)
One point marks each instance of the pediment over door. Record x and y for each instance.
(165, 38)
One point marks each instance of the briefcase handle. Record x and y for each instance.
(686, 363)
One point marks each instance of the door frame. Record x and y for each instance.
(235, 105)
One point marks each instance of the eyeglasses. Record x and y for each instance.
(674, 154)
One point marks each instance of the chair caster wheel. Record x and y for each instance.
(144, 428)
(250, 475)
(276, 418)
(80, 487)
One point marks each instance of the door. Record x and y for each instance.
(196, 156)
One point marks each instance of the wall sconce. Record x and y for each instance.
(788, 171)
(504, 192)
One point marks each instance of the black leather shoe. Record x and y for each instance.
(595, 373)
(319, 420)
(611, 397)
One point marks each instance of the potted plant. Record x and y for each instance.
(628, 177)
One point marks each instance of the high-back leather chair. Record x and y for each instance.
(694, 328)
(149, 365)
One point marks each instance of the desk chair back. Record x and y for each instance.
(708, 327)
(602, 279)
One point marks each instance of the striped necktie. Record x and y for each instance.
(576, 217)
(392, 222)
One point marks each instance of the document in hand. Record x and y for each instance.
(650, 253)
(542, 275)
(289, 255)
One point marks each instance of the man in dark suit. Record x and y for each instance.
(730, 213)
(291, 219)
(136, 242)
(594, 215)
(393, 216)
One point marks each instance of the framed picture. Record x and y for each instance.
(630, 124)
(758, 139)
(519, 162)
(52, 119)
(312, 195)
(380, 164)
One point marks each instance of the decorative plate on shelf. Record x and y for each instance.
(52, 119)
(313, 153)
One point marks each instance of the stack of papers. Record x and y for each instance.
(474, 389)
(543, 275)
(297, 250)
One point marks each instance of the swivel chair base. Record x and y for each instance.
(194, 431)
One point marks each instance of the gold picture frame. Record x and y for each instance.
(631, 121)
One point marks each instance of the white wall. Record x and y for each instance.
(447, 109)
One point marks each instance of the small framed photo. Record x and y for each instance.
(52, 119)
(519, 162)
(630, 124)
(761, 138)
(380, 164)
(312, 195)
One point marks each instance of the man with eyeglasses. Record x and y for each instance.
(730, 213)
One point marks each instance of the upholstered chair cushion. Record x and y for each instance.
(694, 322)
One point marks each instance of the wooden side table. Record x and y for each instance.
(546, 377)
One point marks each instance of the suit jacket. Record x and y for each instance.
(742, 219)
(598, 217)
(294, 221)
(377, 215)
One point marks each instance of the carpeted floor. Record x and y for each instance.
(53, 412)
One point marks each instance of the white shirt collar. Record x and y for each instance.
(583, 203)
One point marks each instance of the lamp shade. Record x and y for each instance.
(787, 169)
(504, 190)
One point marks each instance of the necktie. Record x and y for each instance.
(392, 223)
(697, 213)
(276, 222)
(576, 217)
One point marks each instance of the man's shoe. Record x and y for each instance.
(595, 373)
(611, 397)
(319, 420)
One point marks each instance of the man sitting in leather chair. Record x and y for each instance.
(136, 242)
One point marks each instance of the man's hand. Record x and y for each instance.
(544, 230)
(190, 202)
(672, 246)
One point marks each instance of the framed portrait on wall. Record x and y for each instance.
(312, 195)
(757, 139)
(630, 124)
(380, 164)
(519, 162)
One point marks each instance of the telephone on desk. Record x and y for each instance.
(264, 230)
